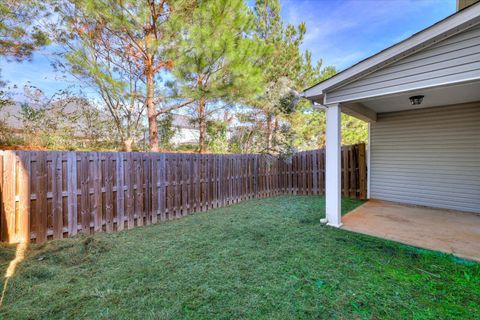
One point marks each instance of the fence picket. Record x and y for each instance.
(57, 207)
(41, 199)
(24, 196)
(108, 182)
(154, 188)
(120, 192)
(84, 193)
(97, 192)
(130, 179)
(8, 196)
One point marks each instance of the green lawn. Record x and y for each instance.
(262, 259)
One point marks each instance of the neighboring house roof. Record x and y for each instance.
(454, 24)
(68, 111)
(10, 114)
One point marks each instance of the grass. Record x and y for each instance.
(262, 259)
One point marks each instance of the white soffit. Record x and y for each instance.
(433, 97)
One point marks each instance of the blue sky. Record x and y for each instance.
(344, 32)
(341, 32)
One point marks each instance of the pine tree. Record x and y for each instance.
(218, 63)
(121, 47)
(279, 121)
(19, 35)
(281, 72)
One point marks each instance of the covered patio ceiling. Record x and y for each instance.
(433, 97)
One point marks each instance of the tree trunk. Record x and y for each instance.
(269, 131)
(202, 124)
(151, 110)
(127, 145)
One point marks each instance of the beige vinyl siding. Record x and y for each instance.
(453, 60)
(461, 4)
(428, 157)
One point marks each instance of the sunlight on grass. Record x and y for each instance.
(19, 257)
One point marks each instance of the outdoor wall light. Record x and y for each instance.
(415, 100)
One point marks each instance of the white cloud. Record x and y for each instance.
(335, 29)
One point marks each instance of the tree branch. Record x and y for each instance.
(174, 107)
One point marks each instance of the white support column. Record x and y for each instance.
(333, 166)
(369, 147)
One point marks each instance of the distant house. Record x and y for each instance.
(9, 116)
(186, 130)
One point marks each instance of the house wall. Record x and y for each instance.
(462, 4)
(428, 157)
(185, 136)
(456, 59)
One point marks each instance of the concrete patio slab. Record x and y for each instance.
(453, 232)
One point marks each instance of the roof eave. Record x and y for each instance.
(447, 27)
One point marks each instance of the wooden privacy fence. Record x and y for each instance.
(52, 195)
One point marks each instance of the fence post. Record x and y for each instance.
(41, 211)
(255, 176)
(120, 182)
(108, 182)
(362, 171)
(24, 196)
(8, 195)
(85, 192)
(72, 216)
(2, 213)
(162, 198)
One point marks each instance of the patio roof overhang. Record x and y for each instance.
(322, 92)
(337, 94)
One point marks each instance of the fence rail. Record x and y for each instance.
(52, 195)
